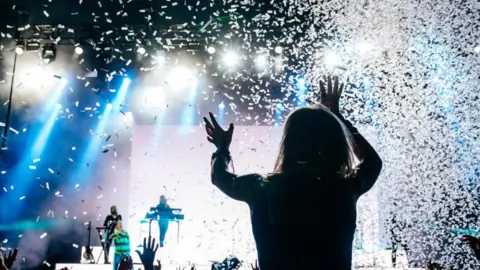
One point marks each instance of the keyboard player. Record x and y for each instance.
(162, 220)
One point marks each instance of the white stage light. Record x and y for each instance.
(221, 106)
(477, 49)
(231, 59)
(141, 50)
(109, 106)
(19, 49)
(364, 47)
(78, 50)
(262, 61)
(181, 77)
(160, 59)
(58, 106)
(211, 50)
(332, 59)
(278, 49)
(154, 96)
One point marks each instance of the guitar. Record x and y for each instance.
(87, 255)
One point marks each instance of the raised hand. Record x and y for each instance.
(159, 266)
(149, 251)
(331, 93)
(9, 258)
(255, 266)
(125, 265)
(474, 243)
(216, 135)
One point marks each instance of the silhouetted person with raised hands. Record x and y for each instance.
(303, 215)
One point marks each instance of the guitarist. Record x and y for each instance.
(110, 223)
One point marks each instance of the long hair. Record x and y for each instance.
(315, 142)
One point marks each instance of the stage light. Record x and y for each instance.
(19, 49)
(477, 49)
(154, 96)
(278, 49)
(109, 106)
(126, 82)
(79, 50)
(301, 82)
(331, 59)
(364, 47)
(180, 77)
(141, 50)
(58, 106)
(262, 61)
(231, 59)
(160, 59)
(63, 83)
(279, 105)
(211, 50)
(49, 53)
(221, 106)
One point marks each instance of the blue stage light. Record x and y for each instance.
(221, 106)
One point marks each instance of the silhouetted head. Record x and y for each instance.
(163, 199)
(315, 142)
(113, 210)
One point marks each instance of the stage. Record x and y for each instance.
(361, 260)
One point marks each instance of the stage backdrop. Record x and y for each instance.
(175, 161)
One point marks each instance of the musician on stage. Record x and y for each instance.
(163, 221)
(121, 240)
(110, 223)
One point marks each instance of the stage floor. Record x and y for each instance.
(175, 267)
(361, 260)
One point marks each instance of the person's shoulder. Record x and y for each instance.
(256, 178)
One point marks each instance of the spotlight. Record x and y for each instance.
(109, 106)
(58, 106)
(262, 61)
(141, 50)
(211, 50)
(126, 82)
(78, 50)
(63, 83)
(278, 49)
(160, 59)
(230, 59)
(301, 82)
(221, 106)
(180, 77)
(19, 49)
(332, 59)
(48, 53)
(155, 97)
(364, 47)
